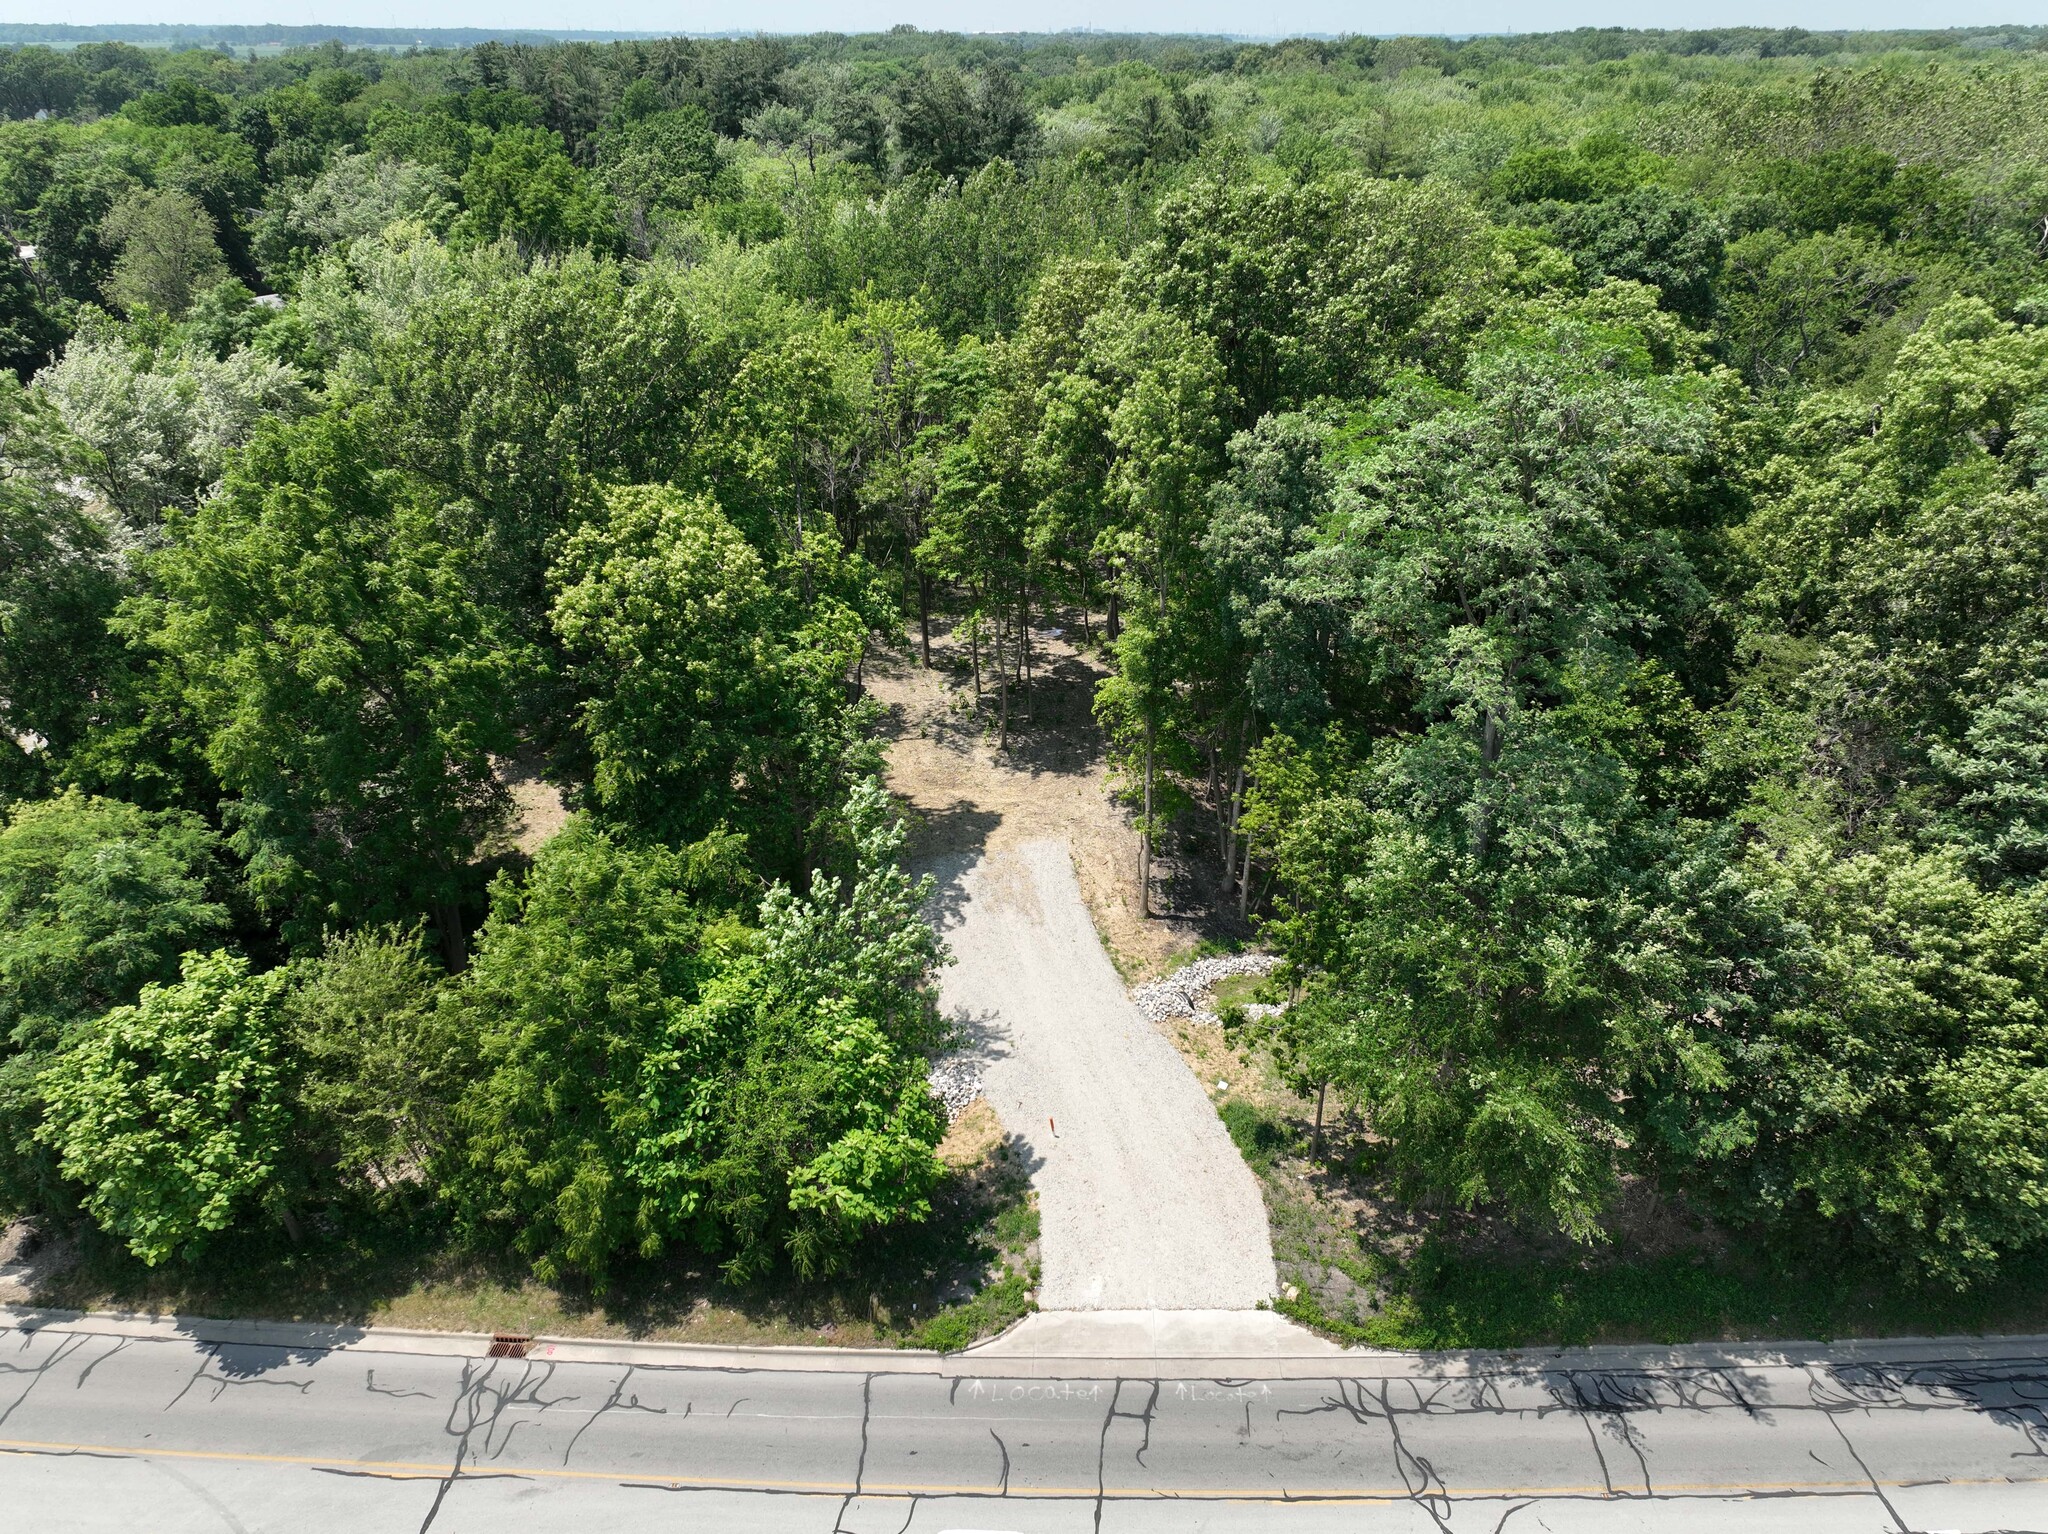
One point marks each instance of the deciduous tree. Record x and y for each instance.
(174, 1114)
(352, 690)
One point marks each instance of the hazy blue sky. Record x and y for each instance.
(1254, 17)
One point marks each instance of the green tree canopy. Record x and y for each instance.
(174, 1114)
(827, 1124)
(1485, 894)
(1314, 288)
(711, 697)
(59, 581)
(1897, 1098)
(96, 899)
(653, 1070)
(523, 187)
(168, 252)
(661, 164)
(377, 1083)
(156, 423)
(1652, 236)
(592, 1117)
(351, 690)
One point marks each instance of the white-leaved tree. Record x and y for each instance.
(158, 424)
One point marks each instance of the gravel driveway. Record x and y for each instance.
(1144, 1202)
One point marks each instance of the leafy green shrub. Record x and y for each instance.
(996, 1306)
(175, 1114)
(947, 1332)
(377, 1055)
(651, 1069)
(1901, 1099)
(1259, 1136)
(591, 1114)
(97, 898)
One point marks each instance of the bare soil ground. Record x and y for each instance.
(968, 797)
(28, 1261)
(537, 810)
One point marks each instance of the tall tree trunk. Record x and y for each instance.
(1112, 621)
(1244, 882)
(1024, 640)
(1003, 675)
(1244, 741)
(1145, 836)
(1236, 815)
(924, 614)
(454, 941)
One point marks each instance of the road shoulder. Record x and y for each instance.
(1097, 1345)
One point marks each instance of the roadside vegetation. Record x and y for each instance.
(1364, 1262)
(1563, 518)
(968, 1271)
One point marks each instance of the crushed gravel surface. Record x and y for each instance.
(956, 1082)
(1146, 1204)
(1183, 993)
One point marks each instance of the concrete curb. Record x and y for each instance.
(301, 1337)
(993, 1360)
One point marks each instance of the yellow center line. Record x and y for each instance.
(413, 1469)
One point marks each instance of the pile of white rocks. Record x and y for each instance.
(956, 1082)
(1184, 993)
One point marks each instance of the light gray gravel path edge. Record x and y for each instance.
(1144, 1202)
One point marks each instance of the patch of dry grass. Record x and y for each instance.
(974, 1137)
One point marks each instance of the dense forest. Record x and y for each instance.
(1564, 517)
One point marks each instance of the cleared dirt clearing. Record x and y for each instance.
(966, 797)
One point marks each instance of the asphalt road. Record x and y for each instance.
(104, 1432)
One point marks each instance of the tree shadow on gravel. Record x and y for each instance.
(946, 842)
